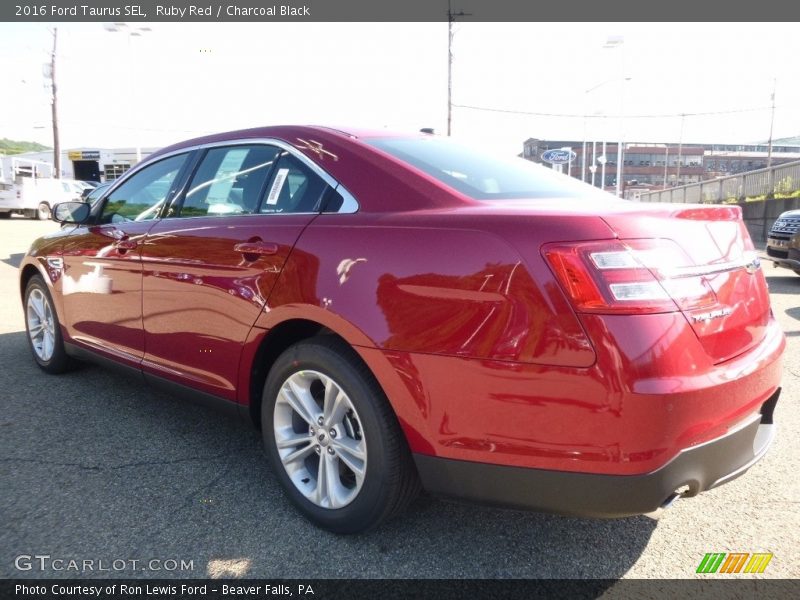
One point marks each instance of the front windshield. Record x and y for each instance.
(481, 175)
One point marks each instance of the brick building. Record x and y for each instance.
(657, 165)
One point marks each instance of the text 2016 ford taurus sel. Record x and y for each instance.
(397, 311)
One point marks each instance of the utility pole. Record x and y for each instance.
(451, 18)
(56, 142)
(771, 123)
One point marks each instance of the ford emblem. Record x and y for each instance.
(558, 157)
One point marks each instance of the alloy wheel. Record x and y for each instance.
(320, 439)
(41, 325)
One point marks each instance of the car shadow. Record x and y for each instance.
(14, 259)
(784, 284)
(98, 464)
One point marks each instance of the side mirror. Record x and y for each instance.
(71, 212)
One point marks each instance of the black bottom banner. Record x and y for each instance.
(433, 589)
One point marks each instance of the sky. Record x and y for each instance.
(179, 80)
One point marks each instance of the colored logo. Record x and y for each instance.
(558, 157)
(734, 562)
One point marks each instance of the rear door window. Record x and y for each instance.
(229, 181)
(293, 188)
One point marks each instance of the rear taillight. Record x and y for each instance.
(629, 277)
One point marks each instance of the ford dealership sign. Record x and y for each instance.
(558, 157)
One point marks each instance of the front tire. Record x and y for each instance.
(333, 440)
(43, 328)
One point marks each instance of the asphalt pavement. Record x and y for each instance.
(95, 466)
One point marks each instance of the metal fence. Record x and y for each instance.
(781, 179)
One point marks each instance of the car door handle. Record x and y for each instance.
(262, 248)
(125, 245)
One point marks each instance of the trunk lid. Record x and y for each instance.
(721, 253)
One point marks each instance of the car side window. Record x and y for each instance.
(141, 197)
(293, 188)
(229, 181)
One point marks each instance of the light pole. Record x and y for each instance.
(131, 32)
(603, 160)
(586, 93)
(617, 41)
(569, 162)
(771, 123)
(680, 154)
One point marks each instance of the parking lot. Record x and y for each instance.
(97, 466)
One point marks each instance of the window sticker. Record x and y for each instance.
(277, 186)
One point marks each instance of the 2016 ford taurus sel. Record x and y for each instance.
(399, 311)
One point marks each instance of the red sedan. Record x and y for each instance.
(399, 311)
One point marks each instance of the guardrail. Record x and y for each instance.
(780, 179)
(767, 184)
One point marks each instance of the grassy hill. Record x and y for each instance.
(14, 147)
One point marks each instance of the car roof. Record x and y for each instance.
(363, 164)
(288, 133)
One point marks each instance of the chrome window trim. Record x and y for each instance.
(243, 215)
(349, 206)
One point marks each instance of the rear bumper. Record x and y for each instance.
(693, 470)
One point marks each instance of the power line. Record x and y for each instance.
(579, 116)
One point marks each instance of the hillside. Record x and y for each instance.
(14, 147)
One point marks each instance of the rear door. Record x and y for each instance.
(210, 266)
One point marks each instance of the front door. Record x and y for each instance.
(102, 281)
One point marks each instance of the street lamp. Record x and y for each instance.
(132, 32)
(617, 41)
(585, 105)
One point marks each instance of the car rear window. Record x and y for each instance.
(481, 175)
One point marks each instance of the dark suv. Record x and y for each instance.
(783, 243)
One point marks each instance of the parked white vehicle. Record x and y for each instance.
(28, 188)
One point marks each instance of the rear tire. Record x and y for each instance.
(5, 215)
(333, 440)
(43, 328)
(43, 212)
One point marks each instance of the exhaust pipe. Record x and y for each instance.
(670, 501)
(678, 493)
